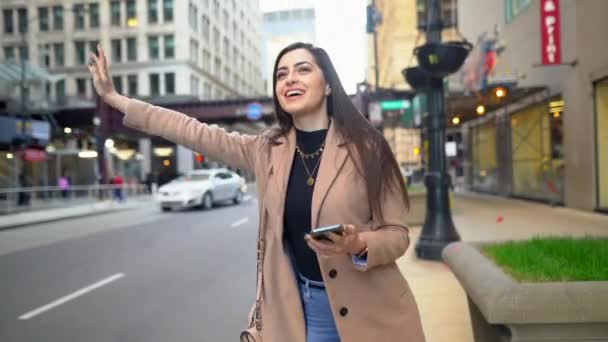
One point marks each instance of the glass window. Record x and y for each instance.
(117, 82)
(80, 52)
(226, 50)
(154, 84)
(43, 19)
(115, 13)
(226, 20)
(93, 46)
(169, 46)
(116, 51)
(169, 83)
(59, 55)
(207, 60)
(132, 85)
(132, 49)
(94, 15)
(206, 27)
(8, 21)
(9, 52)
(153, 48)
(216, 9)
(218, 67)
(24, 52)
(513, 8)
(194, 51)
(152, 11)
(58, 18)
(60, 91)
(45, 55)
(194, 85)
(601, 104)
(216, 39)
(81, 86)
(168, 11)
(79, 15)
(131, 11)
(22, 18)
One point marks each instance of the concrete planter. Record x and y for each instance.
(415, 217)
(504, 310)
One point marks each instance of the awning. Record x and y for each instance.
(10, 73)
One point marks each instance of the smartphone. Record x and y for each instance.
(321, 232)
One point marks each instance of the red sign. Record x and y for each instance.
(550, 32)
(34, 155)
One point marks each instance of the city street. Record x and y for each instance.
(136, 275)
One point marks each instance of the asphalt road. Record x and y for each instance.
(136, 275)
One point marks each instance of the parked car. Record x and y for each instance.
(201, 188)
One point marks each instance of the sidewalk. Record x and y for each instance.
(76, 210)
(441, 300)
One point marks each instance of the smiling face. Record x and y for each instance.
(300, 84)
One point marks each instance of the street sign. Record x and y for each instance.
(395, 104)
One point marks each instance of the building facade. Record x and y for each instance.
(157, 49)
(282, 28)
(550, 145)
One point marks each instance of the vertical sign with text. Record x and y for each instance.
(550, 32)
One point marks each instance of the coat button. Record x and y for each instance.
(333, 274)
(343, 311)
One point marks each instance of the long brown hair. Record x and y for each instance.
(377, 163)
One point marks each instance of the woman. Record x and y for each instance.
(324, 165)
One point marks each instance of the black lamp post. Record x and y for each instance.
(436, 61)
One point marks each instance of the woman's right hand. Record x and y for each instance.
(98, 67)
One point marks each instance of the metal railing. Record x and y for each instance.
(15, 200)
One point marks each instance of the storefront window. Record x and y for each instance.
(484, 158)
(601, 102)
(537, 147)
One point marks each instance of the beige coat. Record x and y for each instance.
(370, 304)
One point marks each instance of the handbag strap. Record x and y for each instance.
(261, 249)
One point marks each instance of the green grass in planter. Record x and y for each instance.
(552, 259)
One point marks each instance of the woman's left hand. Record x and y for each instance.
(350, 242)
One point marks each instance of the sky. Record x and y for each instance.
(340, 30)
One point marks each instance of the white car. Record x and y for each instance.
(201, 188)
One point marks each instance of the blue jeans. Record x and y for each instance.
(320, 324)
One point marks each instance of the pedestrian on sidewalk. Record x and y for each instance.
(117, 191)
(64, 184)
(324, 165)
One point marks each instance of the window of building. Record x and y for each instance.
(235, 58)
(169, 83)
(154, 84)
(59, 54)
(216, 9)
(116, 50)
(169, 46)
(9, 52)
(514, 7)
(132, 85)
(94, 15)
(22, 19)
(132, 49)
(60, 91)
(601, 109)
(152, 11)
(80, 51)
(115, 13)
(8, 21)
(81, 86)
(79, 15)
(153, 48)
(117, 82)
(206, 27)
(216, 39)
(194, 85)
(43, 19)
(57, 18)
(194, 51)
(206, 91)
(207, 60)
(45, 55)
(226, 20)
(93, 46)
(168, 11)
(227, 75)
(226, 50)
(24, 52)
(218, 67)
(131, 11)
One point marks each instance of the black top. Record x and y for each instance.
(298, 204)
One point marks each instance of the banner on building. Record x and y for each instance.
(550, 32)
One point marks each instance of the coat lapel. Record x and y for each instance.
(281, 161)
(333, 158)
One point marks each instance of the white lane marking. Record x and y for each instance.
(240, 222)
(70, 297)
(246, 198)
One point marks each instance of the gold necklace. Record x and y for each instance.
(310, 181)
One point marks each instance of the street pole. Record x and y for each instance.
(438, 229)
(376, 63)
